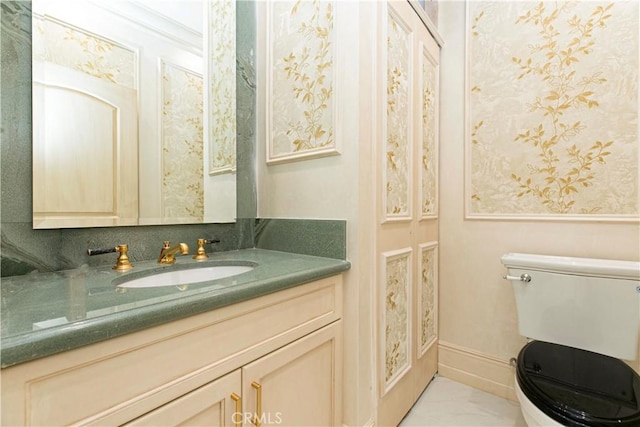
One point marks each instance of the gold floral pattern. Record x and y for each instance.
(428, 296)
(302, 77)
(397, 289)
(397, 161)
(554, 122)
(89, 53)
(429, 175)
(222, 86)
(182, 145)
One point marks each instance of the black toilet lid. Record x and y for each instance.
(577, 387)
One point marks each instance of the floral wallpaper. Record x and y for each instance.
(553, 121)
(302, 77)
(397, 142)
(397, 276)
(182, 145)
(89, 53)
(428, 296)
(222, 87)
(428, 170)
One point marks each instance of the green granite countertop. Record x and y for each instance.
(47, 313)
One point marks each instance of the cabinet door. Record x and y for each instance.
(297, 385)
(209, 405)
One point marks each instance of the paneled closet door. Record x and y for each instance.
(425, 241)
(407, 230)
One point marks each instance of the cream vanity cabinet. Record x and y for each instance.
(292, 386)
(271, 360)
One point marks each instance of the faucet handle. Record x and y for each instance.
(201, 254)
(122, 263)
(100, 251)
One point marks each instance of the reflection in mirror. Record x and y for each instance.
(132, 124)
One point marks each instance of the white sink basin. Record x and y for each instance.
(181, 278)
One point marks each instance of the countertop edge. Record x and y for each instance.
(16, 349)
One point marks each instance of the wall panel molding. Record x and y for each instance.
(428, 134)
(301, 58)
(398, 121)
(427, 297)
(552, 126)
(396, 357)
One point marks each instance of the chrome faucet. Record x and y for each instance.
(167, 254)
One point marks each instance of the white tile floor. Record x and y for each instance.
(449, 403)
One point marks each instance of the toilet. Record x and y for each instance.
(582, 316)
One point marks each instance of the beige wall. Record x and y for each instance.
(336, 187)
(478, 325)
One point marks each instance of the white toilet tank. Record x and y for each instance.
(592, 304)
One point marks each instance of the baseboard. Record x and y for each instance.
(478, 370)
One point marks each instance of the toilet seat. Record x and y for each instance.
(577, 387)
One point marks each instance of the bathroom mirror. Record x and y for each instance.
(132, 124)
